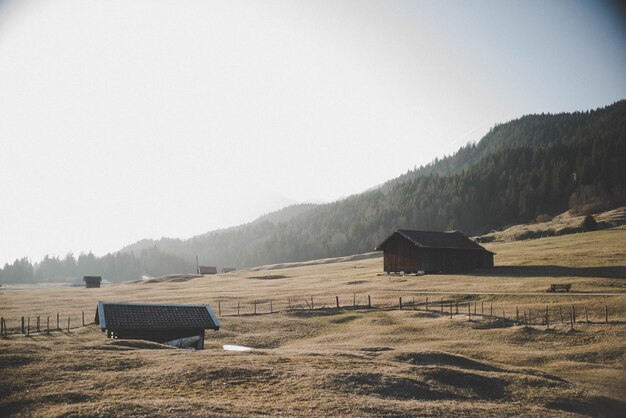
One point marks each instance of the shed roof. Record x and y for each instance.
(435, 239)
(118, 316)
(207, 270)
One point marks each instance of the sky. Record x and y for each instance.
(123, 120)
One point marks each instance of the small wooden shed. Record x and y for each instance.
(207, 270)
(411, 251)
(177, 325)
(92, 281)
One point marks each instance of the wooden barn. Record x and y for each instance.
(412, 251)
(207, 270)
(92, 281)
(181, 326)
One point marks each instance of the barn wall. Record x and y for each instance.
(454, 261)
(159, 336)
(401, 255)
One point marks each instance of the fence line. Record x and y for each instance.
(552, 315)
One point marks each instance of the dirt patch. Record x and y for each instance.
(467, 384)
(438, 358)
(124, 345)
(344, 319)
(386, 386)
(598, 406)
(269, 277)
(376, 349)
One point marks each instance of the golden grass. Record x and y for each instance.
(348, 361)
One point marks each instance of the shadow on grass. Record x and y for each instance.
(613, 272)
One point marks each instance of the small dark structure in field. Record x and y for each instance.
(412, 251)
(228, 269)
(92, 281)
(564, 287)
(207, 270)
(178, 325)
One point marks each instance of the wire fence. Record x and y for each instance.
(498, 314)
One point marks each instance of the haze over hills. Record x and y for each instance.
(534, 165)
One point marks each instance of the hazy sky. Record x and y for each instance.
(122, 120)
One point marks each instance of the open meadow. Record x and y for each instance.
(481, 345)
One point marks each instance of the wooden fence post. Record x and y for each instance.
(475, 305)
(456, 307)
(491, 310)
(547, 318)
(354, 300)
(1, 326)
(469, 311)
(83, 312)
(68, 323)
(23, 329)
(525, 320)
(517, 314)
(586, 315)
(28, 327)
(573, 314)
(571, 320)
(530, 316)
(38, 321)
(238, 306)
(606, 313)
(482, 308)
(337, 301)
(58, 324)
(400, 302)
(369, 301)
(48, 324)
(450, 309)
(219, 307)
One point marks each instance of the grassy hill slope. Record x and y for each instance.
(349, 361)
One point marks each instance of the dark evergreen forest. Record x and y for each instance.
(535, 165)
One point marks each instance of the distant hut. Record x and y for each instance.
(92, 281)
(228, 269)
(181, 326)
(207, 270)
(412, 251)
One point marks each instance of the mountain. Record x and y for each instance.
(521, 170)
(533, 165)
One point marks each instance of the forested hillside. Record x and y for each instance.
(538, 164)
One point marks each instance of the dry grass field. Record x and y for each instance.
(354, 360)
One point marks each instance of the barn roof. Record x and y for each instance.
(127, 316)
(434, 239)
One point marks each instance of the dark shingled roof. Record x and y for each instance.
(125, 316)
(433, 239)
